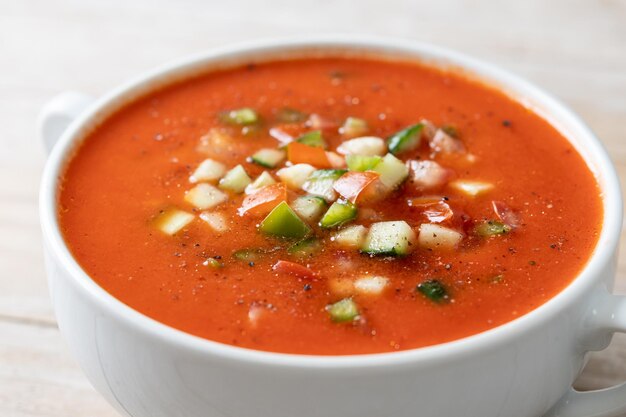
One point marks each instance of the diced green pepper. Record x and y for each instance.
(434, 290)
(406, 139)
(361, 162)
(339, 213)
(343, 311)
(242, 117)
(284, 222)
(289, 115)
(492, 228)
(313, 138)
(305, 248)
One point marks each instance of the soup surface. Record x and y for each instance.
(329, 206)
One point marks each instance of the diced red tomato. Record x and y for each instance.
(435, 209)
(352, 185)
(299, 153)
(264, 200)
(506, 214)
(292, 268)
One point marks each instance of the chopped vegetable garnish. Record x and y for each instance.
(309, 207)
(208, 170)
(248, 255)
(216, 221)
(427, 175)
(264, 200)
(292, 268)
(261, 181)
(313, 138)
(213, 263)
(268, 158)
(392, 171)
(355, 186)
(343, 311)
(173, 220)
(434, 236)
(406, 139)
(242, 117)
(395, 238)
(492, 228)
(295, 176)
(472, 188)
(204, 196)
(305, 248)
(299, 153)
(235, 180)
(434, 290)
(371, 284)
(350, 237)
(445, 143)
(339, 213)
(362, 163)
(367, 145)
(506, 214)
(284, 222)
(289, 115)
(435, 209)
(321, 182)
(353, 127)
(335, 160)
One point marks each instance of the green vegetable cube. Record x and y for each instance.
(343, 311)
(339, 213)
(284, 222)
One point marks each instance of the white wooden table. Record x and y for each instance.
(574, 49)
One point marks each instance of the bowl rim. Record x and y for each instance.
(528, 94)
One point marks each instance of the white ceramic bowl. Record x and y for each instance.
(523, 368)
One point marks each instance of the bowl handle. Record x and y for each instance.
(58, 113)
(610, 317)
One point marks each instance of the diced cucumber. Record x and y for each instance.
(296, 175)
(392, 171)
(205, 196)
(235, 180)
(173, 220)
(289, 115)
(309, 207)
(284, 222)
(367, 145)
(362, 163)
(351, 236)
(321, 182)
(217, 221)
(268, 158)
(339, 213)
(208, 170)
(472, 188)
(305, 248)
(371, 284)
(434, 236)
(313, 138)
(353, 127)
(242, 117)
(343, 311)
(406, 139)
(492, 228)
(434, 290)
(261, 181)
(395, 238)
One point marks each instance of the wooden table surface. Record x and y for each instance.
(574, 49)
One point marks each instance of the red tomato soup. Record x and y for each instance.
(330, 206)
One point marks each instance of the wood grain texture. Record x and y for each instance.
(574, 49)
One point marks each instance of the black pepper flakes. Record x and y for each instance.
(307, 287)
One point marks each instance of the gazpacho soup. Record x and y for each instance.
(329, 206)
